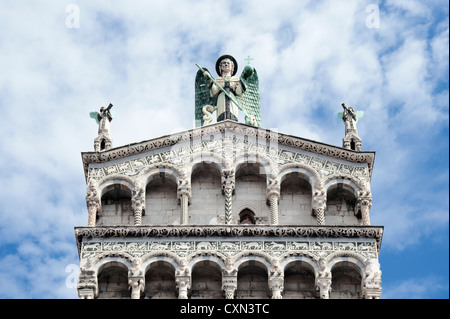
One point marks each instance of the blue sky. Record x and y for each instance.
(140, 55)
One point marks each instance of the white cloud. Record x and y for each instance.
(415, 288)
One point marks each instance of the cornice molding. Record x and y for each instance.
(222, 129)
(198, 231)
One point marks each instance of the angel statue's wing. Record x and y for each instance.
(359, 114)
(339, 115)
(202, 96)
(94, 115)
(249, 101)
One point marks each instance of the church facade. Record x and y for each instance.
(229, 210)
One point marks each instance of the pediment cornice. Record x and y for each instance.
(228, 129)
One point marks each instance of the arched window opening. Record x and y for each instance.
(206, 281)
(352, 144)
(160, 281)
(113, 282)
(346, 282)
(116, 206)
(206, 187)
(341, 202)
(252, 281)
(250, 190)
(299, 281)
(247, 217)
(161, 202)
(295, 200)
(102, 145)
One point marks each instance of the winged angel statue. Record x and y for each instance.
(103, 118)
(227, 94)
(350, 117)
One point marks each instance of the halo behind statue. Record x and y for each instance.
(229, 57)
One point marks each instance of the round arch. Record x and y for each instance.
(106, 261)
(261, 159)
(206, 277)
(347, 277)
(157, 256)
(310, 175)
(348, 258)
(247, 256)
(115, 179)
(300, 275)
(169, 170)
(253, 276)
(304, 259)
(209, 158)
(119, 257)
(347, 183)
(211, 256)
(112, 279)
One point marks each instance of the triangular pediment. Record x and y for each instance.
(228, 142)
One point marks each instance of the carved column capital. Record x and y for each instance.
(228, 179)
(136, 284)
(319, 199)
(364, 204)
(93, 202)
(323, 286)
(184, 189)
(229, 285)
(183, 285)
(276, 285)
(87, 285)
(273, 189)
(372, 281)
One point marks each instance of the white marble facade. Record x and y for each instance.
(206, 202)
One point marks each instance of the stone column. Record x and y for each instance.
(138, 202)
(323, 286)
(273, 197)
(93, 207)
(183, 285)
(276, 279)
(372, 281)
(183, 280)
(364, 204)
(184, 194)
(323, 280)
(93, 202)
(229, 286)
(228, 184)
(319, 202)
(276, 285)
(87, 285)
(136, 284)
(229, 279)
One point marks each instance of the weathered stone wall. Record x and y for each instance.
(207, 201)
(116, 212)
(161, 204)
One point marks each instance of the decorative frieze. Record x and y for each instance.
(227, 248)
(272, 233)
(179, 149)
